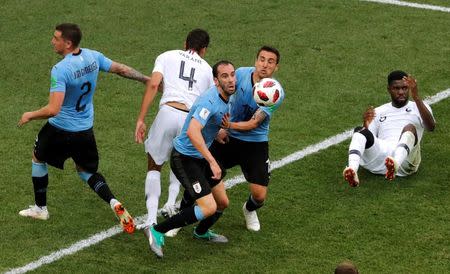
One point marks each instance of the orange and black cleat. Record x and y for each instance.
(126, 221)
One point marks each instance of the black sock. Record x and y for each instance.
(186, 201)
(183, 218)
(40, 190)
(252, 204)
(98, 183)
(205, 224)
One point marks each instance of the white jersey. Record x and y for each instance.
(185, 76)
(389, 121)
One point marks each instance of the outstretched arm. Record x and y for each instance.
(151, 89)
(53, 107)
(128, 72)
(427, 117)
(257, 118)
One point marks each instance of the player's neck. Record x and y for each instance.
(74, 51)
(399, 105)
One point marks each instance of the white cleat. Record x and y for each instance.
(172, 233)
(351, 177)
(251, 219)
(35, 212)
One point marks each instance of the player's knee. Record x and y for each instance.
(222, 203)
(151, 165)
(209, 209)
(370, 140)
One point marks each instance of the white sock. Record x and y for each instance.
(152, 193)
(404, 146)
(113, 203)
(358, 145)
(174, 189)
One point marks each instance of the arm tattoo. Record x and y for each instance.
(259, 116)
(133, 74)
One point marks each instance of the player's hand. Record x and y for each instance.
(26, 117)
(139, 133)
(222, 136)
(216, 170)
(412, 86)
(368, 116)
(226, 121)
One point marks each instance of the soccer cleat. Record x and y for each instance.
(251, 219)
(351, 177)
(173, 232)
(35, 212)
(155, 240)
(125, 218)
(211, 237)
(391, 168)
(168, 211)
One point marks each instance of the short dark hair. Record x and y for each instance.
(395, 75)
(71, 32)
(197, 39)
(220, 63)
(269, 49)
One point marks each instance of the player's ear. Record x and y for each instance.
(276, 68)
(216, 81)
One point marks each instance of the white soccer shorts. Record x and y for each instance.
(166, 126)
(373, 158)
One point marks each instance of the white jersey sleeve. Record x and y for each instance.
(185, 76)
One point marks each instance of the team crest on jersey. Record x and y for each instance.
(204, 113)
(408, 109)
(197, 187)
(382, 118)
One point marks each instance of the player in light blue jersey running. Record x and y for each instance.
(70, 112)
(195, 167)
(246, 142)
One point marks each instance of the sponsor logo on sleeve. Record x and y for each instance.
(53, 82)
(204, 113)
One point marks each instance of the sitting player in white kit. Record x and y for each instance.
(389, 140)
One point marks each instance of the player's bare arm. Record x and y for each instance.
(195, 135)
(151, 88)
(257, 118)
(53, 107)
(128, 72)
(368, 116)
(428, 120)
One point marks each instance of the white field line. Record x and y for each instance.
(412, 5)
(98, 237)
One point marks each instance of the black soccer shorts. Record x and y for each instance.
(54, 146)
(194, 174)
(252, 157)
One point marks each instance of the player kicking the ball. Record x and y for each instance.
(389, 141)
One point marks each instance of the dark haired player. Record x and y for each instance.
(195, 167)
(389, 141)
(246, 140)
(70, 112)
(184, 75)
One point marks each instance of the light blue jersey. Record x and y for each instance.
(243, 106)
(208, 109)
(76, 76)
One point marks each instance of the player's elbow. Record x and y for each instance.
(53, 111)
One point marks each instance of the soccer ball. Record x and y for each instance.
(267, 92)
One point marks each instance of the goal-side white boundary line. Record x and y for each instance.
(410, 4)
(98, 237)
